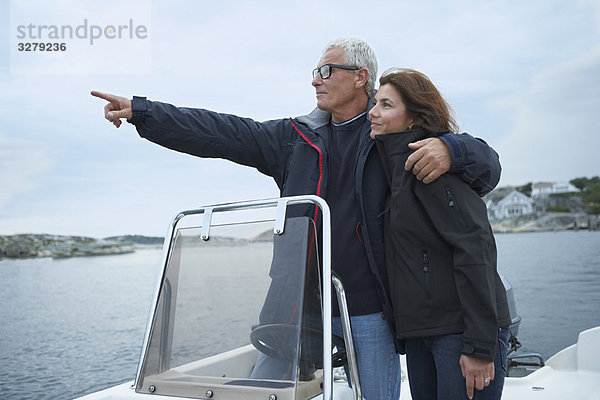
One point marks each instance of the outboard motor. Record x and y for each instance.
(515, 366)
(512, 307)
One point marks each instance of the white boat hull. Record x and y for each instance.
(571, 373)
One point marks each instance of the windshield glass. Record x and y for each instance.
(238, 314)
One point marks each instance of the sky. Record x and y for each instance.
(522, 75)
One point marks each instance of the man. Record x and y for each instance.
(327, 153)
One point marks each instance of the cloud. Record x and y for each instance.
(519, 76)
(554, 131)
(22, 166)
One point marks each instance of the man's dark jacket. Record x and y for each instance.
(441, 255)
(294, 152)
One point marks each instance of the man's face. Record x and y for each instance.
(339, 89)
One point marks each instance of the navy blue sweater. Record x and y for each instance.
(348, 256)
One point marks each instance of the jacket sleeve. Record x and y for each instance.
(476, 162)
(460, 217)
(205, 133)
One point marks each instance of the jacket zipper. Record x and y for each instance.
(320, 152)
(426, 275)
(450, 196)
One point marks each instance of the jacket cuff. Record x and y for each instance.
(139, 105)
(486, 353)
(457, 153)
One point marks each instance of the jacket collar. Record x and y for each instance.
(400, 140)
(319, 118)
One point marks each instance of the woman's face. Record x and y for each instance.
(389, 113)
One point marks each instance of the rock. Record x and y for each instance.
(30, 245)
(543, 221)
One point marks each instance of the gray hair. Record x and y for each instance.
(358, 53)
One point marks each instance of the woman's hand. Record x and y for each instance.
(478, 373)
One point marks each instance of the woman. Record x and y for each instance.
(450, 306)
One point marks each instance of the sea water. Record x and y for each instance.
(70, 327)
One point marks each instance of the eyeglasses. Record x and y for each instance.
(325, 70)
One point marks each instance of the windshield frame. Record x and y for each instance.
(281, 205)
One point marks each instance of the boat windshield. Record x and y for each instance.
(237, 312)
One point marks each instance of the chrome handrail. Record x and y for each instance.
(348, 340)
(279, 202)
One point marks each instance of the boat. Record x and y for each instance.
(242, 310)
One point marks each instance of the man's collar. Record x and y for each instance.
(350, 120)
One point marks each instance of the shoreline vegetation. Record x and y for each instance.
(60, 246)
(57, 246)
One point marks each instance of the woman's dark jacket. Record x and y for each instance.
(441, 255)
(294, 152)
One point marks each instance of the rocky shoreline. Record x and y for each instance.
(547, 221)
(56, 246)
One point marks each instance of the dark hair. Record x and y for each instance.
(423, 102)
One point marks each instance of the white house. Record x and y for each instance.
(544, 189)
(513, 204)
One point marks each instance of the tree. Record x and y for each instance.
(525, 189)
(591, 197)
(579, 183)
(583, 182)
(591, 194)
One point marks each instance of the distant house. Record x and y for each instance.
(544, 189)
(502, 205)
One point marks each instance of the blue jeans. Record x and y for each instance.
(378, 362)
(434, 368)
